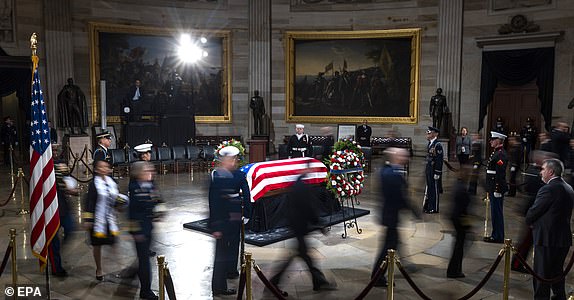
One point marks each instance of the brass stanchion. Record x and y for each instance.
(12, 171)
(87, 172)
(14, 267)
(23, 209)
(391, 274)
(507, 260)
(161, 274)
(487, 211)
(248, 268)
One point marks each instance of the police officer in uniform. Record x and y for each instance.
(528, 135)
(104, 142)
(496, 185)
(225, 217)
(363, 134)
(433, 171)
(299, 144)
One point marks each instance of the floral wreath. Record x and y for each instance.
(235, 143)
(346, 155)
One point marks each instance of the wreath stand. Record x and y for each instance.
(345, 200)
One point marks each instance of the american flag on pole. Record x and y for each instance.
(43, 199)
(267, 176)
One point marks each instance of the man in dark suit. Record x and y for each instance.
(393, 188)
(549, 217)
(561, 141)
(363, 134)
(433, 171)
(496, 186)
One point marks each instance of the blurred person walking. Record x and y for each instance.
(459, 218)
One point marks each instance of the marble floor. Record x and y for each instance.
(424, 250)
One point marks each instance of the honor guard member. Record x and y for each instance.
(228, 196)
(143, 151)
(433, 171)
(496, 185)
(528, 135)
(363, 134)
(104, 142)
(299, 144)
(514, 159)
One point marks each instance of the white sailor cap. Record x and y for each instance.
(143, 148)
(228, 151)
(300, 126)
(497, 135)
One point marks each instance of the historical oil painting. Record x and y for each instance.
(351, 76)
(144, 69)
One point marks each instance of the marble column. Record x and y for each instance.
(449, 61)
(260, 54)
(58, 43)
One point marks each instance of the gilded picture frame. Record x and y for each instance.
(220, 39)
(351, 76)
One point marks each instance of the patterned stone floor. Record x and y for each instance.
(424, 250)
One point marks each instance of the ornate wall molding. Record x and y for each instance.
(7, 22)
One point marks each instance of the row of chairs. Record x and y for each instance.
(189, 156)
(320, 152)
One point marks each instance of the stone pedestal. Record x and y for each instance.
(76, 145)
(257, 149)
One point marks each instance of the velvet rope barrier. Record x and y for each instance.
(276, 292)
(11, 193)
(382, 269)
(535, 275)
(241, 287)
(465, 297)
(80, 180)
(5, 260)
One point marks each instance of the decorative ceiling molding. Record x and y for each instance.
(519, 41)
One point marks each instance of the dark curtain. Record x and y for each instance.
(17, 80)
(516, 68)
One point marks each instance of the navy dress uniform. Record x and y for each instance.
(228, 196)
(496, 186)
(101, 152)
(143, 201)
(433, 172)
(299, 144)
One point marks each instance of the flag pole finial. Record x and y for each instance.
(34, 43)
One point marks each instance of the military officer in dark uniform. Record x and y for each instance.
(499, 126)
(528, 135)
(476, 157)
(143, 200)
(515, 157)
(104, 142)
(433, 171)
(299, 144)
(363, 134)
(225, 217)
(496, 185)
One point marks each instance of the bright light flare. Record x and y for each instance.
(189, 51)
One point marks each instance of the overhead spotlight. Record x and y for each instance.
(190, 51)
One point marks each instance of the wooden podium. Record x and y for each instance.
(257, 150)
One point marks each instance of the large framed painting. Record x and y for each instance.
(145, 70)
(350, 76)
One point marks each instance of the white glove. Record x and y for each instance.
(245, 220)
(512, 169)
(524, 140)
(497, 195)
(436, 177)
(475, 167)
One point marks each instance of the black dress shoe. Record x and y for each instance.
(456, 275)
(100, 277)
(233, 275)
(62, 273)
(490, 239)
(226, 292)
(149, 296)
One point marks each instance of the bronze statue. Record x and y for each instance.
(72, 108)
(258, 107)
(437, 108)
